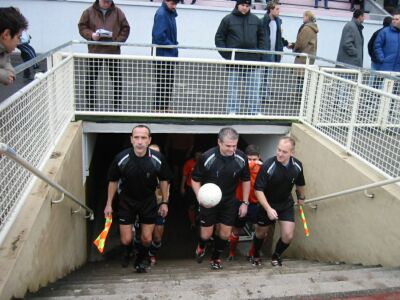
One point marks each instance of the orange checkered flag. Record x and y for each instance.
(303, 219)
(101, 239)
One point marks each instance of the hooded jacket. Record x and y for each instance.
(306, 42)
(242, 32)
(5, 65)
(351, 45)
(164, 31)
(114, 20)
(280, 41)
(387, 45)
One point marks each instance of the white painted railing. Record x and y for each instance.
(363, 119)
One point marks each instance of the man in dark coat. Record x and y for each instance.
(352, 41)
(242, 30)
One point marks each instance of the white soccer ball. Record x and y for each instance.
(209, 195)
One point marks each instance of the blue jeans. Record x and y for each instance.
(251, 80)
(325, 3)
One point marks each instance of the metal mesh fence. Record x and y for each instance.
(365, 121)
(31, 124)
(149, 85)
(358, 110)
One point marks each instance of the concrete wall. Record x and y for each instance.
(352, 229)
(46, 242)
(193, 30)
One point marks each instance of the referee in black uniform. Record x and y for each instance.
(135, 173)
(273, 190)
(224, 166)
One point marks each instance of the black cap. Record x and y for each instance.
(243, 2)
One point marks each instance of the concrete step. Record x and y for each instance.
(185, 280)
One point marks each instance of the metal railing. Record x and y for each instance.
(32, 121)
(363, 188)
(362, 118)
(10, 153)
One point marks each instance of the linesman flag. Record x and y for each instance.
(101, 239)
(303, 219)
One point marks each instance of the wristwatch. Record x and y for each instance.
(246, 203)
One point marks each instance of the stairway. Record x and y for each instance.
(185, 279)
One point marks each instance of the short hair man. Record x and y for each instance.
(387, 46)
(351, 47)
(273, 189)
(273, 41)
(243, 30)
(104, 22)
(387, 21)
(272, 25)
(165, 33)
(224, 166)
(12, 24)
(135, 174)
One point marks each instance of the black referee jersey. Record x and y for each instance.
(224, 171)
(138, 176)
(277, 180)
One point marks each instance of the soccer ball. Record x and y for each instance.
(209, 195)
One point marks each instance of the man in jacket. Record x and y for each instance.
(352, 41)
(12, 23)
(272, 25)
(371, 44)
(387, 46)
(104, 22)
(242, 30)
(165, 33)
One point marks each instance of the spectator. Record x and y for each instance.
(272, 25)
(306, 41)
(352, 41)
(165, 33)
(361, 2)
(243, 30)
(27, 53)
(387, 46)
(371, 44)
(12, 23)
(274, 41)
(104, 22)
(325, 4)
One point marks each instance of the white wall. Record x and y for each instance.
(55, 22)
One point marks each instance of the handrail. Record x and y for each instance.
(354, 190)
(9, 152)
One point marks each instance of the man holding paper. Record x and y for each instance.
(103, 22)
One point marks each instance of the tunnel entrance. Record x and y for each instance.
(179, 239)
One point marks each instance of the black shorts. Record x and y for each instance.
(251, 217)
(225, 213)
(128, 210)
(286, 214)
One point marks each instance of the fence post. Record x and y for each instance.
(384, 107)
(354, 112)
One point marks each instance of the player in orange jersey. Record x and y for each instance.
(187, 191)
(253, 156)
